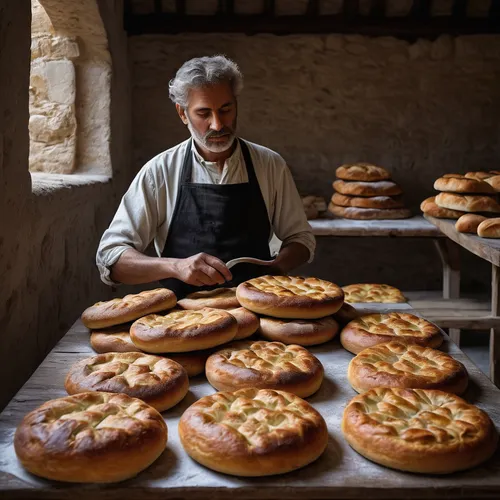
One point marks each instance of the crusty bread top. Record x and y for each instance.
(86, 425)
(372, 292)
(362, 172)
(144, 375)
(489, 228)
(468, 203)
(128, 308)
(251, 422)
(266, 362)
(182, 324)
(394, 324)
(408, 361)
(469, 223)
(481, 175)
(429, 207)
(290, 290)
(219, 298)
(421, 419)
(462, 185)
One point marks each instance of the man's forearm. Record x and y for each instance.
(134, 268)
(290, 257)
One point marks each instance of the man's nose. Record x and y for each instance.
(216, 123)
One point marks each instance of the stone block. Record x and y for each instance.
(52, 123)
(53, 158)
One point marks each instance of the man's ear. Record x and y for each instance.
(182, 113)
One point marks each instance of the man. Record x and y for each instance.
(208, 200)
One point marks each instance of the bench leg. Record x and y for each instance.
(449, 252)
(495, 332)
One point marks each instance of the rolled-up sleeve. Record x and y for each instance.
(133, 225)
(289, 219)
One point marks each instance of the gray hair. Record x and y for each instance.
(203, 71)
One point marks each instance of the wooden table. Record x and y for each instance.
(339, 473)
(487, 249)
(414, 227)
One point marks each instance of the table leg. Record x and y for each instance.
(495, 332)
(449, 252)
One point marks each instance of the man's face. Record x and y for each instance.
(211, 116)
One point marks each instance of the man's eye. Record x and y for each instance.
(225, 110)
(203, 115)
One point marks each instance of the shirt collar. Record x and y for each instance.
(230, 162)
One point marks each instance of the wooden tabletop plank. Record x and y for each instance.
(486, 248)
(416, 227)
(338, 473)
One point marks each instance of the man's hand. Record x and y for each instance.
(201, 269)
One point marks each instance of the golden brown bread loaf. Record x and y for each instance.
(219, 298)
(469, 223)
(429, 207)
(381, 202)
(494, 182)
(253, 432)
(265, 365)
(362, 172)
(462, 185)
(481, 176)
(396, 364)
(290, 297)
(378, 188)
(417, 430)
(158, 381)
(93, 437)
(369, 213)
(372, 292)
(114, 339)
(373, 329)
(468, 203)
(184, 331)
(299, 331)
(126, 309)
(248, 322)
(489, 228)
(345, 314)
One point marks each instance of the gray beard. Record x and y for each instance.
(213, 148)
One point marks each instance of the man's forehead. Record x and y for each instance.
(211, 96)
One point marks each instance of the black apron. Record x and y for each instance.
(223, 220)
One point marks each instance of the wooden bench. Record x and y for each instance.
(339, 473)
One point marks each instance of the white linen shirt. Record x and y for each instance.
(146, 209)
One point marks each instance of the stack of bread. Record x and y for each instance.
(471, 199)
(405, 387)
(366, 192)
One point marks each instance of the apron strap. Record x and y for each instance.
(187, 164)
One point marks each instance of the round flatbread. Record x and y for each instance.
(299, 331)
(193, 362)
(126, 309)
(362, 172)
(429, 207)
(467, 203)
(462, 184)
(253, 432)
(372, 292)
(265, 365)
(373, 329)
(396, 364)
(248, 322)
(183, 331)
(380, 202)
(114, 339)
(158, 381)
(219, 298)
(345, 314)
(378, 188)
(290, 297)
(369, 213)
(93, 437)
(417, 430)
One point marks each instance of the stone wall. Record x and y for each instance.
(419, 109)
(52, 97)
(50, 228)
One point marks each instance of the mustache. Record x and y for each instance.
(219, 133)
